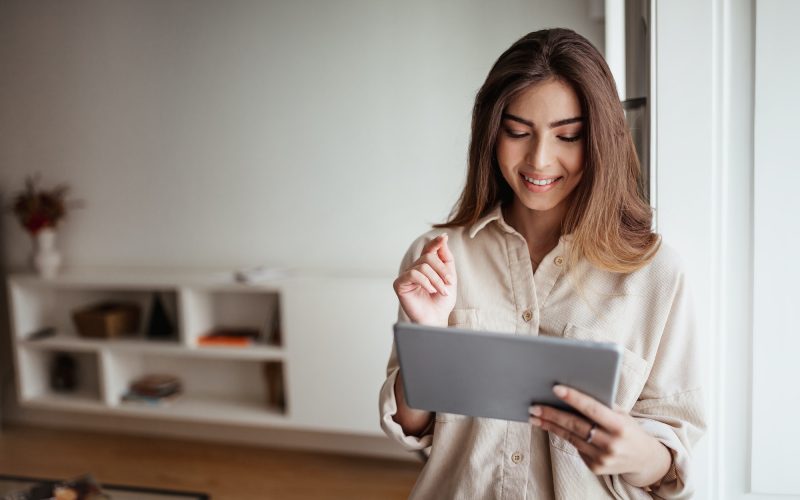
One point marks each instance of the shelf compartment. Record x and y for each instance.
(37, 307)
(221, 389)
(206, 310)
(35, 371)
(212, 408)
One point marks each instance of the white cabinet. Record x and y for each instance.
(325, 338)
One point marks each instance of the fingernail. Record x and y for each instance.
(448, 278)
(536, 410)
(444, 291)
(535, 421)
(560, 391)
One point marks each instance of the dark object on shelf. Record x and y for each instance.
(107, 319)
(156, 385)
(43, 333)
(272, 334)
(224, 331)
(64, 373)
(276, 396)
(159, 325)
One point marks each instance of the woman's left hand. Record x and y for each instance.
(618, 445)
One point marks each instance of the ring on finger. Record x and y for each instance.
(591, 432)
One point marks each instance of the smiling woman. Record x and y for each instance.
(552, 237)
(549, 109)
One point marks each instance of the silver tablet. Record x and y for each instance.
(499, 375)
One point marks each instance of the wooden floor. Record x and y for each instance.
(226, 472)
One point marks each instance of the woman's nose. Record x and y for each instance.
(539, 154)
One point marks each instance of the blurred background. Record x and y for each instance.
(323, 137)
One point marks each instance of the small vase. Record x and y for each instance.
(46, 259)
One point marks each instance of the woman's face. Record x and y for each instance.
(540, 145)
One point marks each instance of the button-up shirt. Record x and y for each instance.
(648, 312)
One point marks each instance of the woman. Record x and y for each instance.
(551, 237)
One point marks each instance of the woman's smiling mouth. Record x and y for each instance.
(540, 185)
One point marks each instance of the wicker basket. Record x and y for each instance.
(107, 319)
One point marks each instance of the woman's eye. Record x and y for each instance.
(515, 135)
(571, 139)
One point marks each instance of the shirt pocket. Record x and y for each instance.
(468, 319)
(632, 377)
(464, 318)
(632, 370)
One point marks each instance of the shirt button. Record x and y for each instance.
(559, 260)
(527, 315)
(516, 457)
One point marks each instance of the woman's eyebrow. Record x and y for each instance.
(555, 124)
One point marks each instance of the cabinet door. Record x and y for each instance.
(337, 336)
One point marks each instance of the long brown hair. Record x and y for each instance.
(608, 219)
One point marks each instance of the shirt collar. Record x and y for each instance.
(496, 214)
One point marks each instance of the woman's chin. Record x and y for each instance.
(538, 204)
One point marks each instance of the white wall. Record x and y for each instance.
(315, 134)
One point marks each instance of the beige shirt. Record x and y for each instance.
(649, 312)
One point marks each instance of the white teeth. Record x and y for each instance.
(540, 183)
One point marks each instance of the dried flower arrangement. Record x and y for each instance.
(37, 208)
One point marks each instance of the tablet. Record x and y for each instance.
(499, 375)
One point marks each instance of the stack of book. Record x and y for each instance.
(155, 389)
(236, 337)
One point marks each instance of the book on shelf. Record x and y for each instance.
(233, 337)
(207, 341)
(153, 389)
(156, 385)
(134, 397)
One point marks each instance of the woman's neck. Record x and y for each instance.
(541, 229)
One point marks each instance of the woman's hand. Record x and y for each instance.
(427, 289)
(618, 445)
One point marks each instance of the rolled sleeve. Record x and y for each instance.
(388, 408)
(678, 423)
(671, 405)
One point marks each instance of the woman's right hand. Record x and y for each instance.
(427, 289)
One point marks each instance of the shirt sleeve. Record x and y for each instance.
(387, 401)
(671, 405)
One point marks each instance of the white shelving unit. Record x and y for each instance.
(329, 336)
